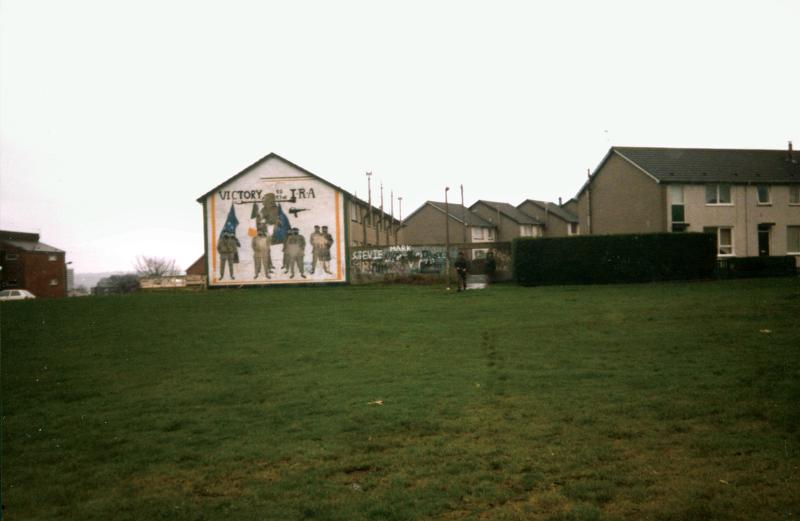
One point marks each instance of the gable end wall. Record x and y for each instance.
(623, 200)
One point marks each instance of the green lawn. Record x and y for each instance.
(664, 401)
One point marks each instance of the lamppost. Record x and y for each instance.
(391, 220)
(447, 236)
(463, 215)
(369, 198)
(400, 202)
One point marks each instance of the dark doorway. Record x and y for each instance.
(763, 239)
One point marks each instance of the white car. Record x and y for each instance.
(16, 294)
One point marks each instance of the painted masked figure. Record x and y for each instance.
(325, 250)
(294, 251)
(228, 249)
(268, 215)
(261, 255)
(317, 242)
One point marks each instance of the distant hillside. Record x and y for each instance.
(90, 280)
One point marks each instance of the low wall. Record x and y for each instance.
(426, 263)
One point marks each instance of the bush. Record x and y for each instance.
(748, 267)
(600, 259)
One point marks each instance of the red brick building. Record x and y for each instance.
(29, 264)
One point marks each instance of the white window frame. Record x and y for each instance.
(789, 230)
(526, 230)
(573, 229)
(716, 230)
(479, 253)
(482, 234)
(768, 201)
(717, 187)
(52, 257)
(794, 195)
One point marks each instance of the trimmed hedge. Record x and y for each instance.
(750, 267)
(602, 259)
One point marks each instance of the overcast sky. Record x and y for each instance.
(115, 116)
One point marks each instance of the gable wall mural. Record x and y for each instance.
(275, 224)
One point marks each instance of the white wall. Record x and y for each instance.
(321, 204)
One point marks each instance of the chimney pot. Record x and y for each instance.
(559, 202)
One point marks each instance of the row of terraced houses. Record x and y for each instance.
(749, 198)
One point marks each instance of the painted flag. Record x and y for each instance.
(283, 226)
(252, 231)
(231, 222)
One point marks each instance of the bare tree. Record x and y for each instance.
(155, 267)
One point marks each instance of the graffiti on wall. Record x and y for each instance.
(417, 260)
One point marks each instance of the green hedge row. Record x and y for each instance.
(748, 267)
(599, 259)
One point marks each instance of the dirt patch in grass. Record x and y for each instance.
(211, 483)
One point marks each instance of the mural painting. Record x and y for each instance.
(394, 261)
(275, 225)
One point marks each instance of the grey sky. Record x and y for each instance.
(115, 116)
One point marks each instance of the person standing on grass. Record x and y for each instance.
(491, 266)
(461, 270)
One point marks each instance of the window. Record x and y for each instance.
(572, 229)
(11, 256)
(526, 230)
(718, 194)
(52, 258)
(54, 282)
(481, 233)
(676, 200)
(793, 240)
(794, 194)
(763, 194)
(724, 239)
(353, 212)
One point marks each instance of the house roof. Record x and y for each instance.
(386, 216)
(554, 209)
(710, 165)
(456, 212)
(272, 155)
(26, 242)
(700, 165)
(510, 211)
(33, 246)
(264, 159)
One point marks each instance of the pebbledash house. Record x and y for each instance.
(750, 199)
(277, 223)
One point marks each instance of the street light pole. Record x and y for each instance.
(463, 215)
(400, 202)
(391, 220)
(447, 236)
(369, 198)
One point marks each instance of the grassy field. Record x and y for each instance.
(662, 402)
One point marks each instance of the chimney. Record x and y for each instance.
(559, 202)
(791, 156)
